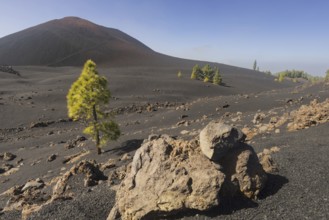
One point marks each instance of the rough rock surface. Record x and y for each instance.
(309, 115)
(7, 156)
(217, 138)
(90, 169)
(169, 176)
(244, 172)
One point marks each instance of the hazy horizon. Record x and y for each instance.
(280, 35)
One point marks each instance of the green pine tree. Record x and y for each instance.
(195, 72)
(255, 65)
(327, 76)
(179, 74)
(85, 99)
(207, 71)
(217, 80)
(281, 77)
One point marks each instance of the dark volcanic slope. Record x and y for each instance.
(69, 42)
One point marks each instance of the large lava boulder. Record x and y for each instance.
(169, 176)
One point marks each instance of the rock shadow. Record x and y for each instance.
(225, 85)
(274, 183)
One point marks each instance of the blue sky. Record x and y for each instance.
(279, 34)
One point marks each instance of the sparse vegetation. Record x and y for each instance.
(255, 65)
(195, 72)
(295, 74)
(327, 76)
(217, 80)
(85, 100)
(298, 74)
(179, 74)
(281, 77)
(206, 74)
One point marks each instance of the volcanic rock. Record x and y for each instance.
(309, 115)
(7, 156)
(90, 169)
(258, 118)
(170, 175)
(217, 138)
(174, 176)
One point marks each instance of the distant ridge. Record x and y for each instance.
(70, 41)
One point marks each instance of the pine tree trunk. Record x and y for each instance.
(96, 130)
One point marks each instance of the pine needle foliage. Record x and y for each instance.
(85, 100)
(327, 76)
(195, 72)
(179, 74)
(217, 80)
(206, 74)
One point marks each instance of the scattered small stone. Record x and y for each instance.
(41, 124)
(262, 129)
(183, 122)
(7, 156)
(184, 132)
(5, 168)
(126, 156)
(277, 131)
(38, 183)
(108, 165)
(258, 118)
(19, 161)
(52, 157)
(226, 106)
(289, 101)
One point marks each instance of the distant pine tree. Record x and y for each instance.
(255, 65)
(195, 72)
(217, 80)
(179, 74)
(327, 76)
(281, 77)
(85, 99)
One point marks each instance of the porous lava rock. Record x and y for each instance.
(169, 176)
(217, 138)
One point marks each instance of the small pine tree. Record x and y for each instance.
(217, 80)
(281, 77)
(206, 79)
(255, 65)
(179, 74)
(195, 72)
(327, 76)
(85, 99)
(207, 71)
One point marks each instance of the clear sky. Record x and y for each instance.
(279, 34)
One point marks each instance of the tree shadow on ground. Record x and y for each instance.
(127, 146)
(225, 85)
